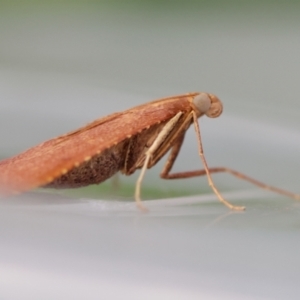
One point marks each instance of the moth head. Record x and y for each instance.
(208, 104)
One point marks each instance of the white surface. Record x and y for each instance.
(61, 248)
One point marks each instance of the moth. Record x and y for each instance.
(136, 138)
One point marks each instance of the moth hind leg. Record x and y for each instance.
(165, 174)
(207, 171)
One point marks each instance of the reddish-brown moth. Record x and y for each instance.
(126, 141)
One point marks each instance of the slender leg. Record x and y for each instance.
(207, 171)
(210, 181)
(175, 150)
(237, 174)
(157, 142)
(138, 200)
(172, 157)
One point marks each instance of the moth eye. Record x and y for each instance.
(216, 107)
(202, 102)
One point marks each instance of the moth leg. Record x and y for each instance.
(173, 155)
(235, 173)
(171, 158)
(255, 182)
(174, 152)
(150, 152)
(138, 200)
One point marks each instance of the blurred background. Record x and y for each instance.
(66, 63)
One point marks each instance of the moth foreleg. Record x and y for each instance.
(170, 162)
(150, 152)
(206, 171)
(210, 181)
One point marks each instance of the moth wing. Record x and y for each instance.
(47, 161)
